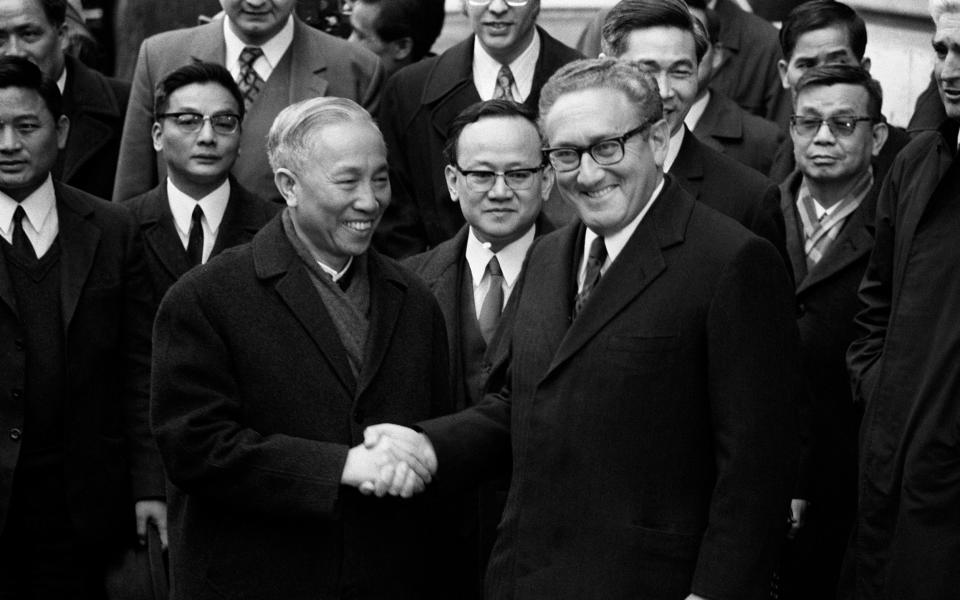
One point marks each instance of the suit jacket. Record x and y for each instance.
(166, 258)
(732, 189)
(255, 407)
(904, 369)
(649, 435)
(419, 103)
(320, 65)
(744, 137)
(749, 76)
(105, 298)
(95, 106)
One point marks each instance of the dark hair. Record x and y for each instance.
(54, 10)
(836, 74)
(629, 15)
(484, 110)
(419, 20)
(195, 72)
(822, 14)
(712, 24)
(16, 71)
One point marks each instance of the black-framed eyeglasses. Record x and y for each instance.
(483, 181)
(513, 3)
(838, 126)
(606, 152)
(191, 122)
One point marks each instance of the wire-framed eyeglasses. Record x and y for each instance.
(480, 182)
(839, 126)
(191, 122)
(606, 152)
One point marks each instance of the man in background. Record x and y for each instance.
(400, 32)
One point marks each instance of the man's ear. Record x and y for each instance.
(782, 68)
(63, 130)
(880, 132)
(659, 140)
(865, 63)
(451, 174)
(155, 133)
(287, 184)
(402, 48)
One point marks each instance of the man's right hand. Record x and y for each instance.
(393, 460)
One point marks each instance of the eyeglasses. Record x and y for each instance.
(192, 122)
(483, 181)
(839, 126)
(608, 151)
(513, 3)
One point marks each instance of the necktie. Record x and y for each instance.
(195, 242)
(493, 302)
(504, 85)
(250, 82)
(20, 242)
(595, 258)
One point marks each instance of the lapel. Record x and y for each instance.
(207, 43)
(719, 120)
(442, 274)
(79, 238)
(275, 258)
(6, 288)
(160, 233)
(87, 100)
(639, 264)
(388, 290)
(687, 168)
(308, 63)
(794, 237)
(241, 221)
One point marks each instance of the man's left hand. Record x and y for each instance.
(154, 511)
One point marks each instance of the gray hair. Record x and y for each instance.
(608, 73)
(939, 7)
(292, 133)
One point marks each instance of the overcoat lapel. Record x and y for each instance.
(387, 293)
(688, 166)
(853, 241)
(78, 241)
(794, 237)
(6, 288)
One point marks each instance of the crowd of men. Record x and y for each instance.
(663, 317)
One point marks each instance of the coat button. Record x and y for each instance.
(801, 309)
(15, 394)
(15, 434)
(18, 344)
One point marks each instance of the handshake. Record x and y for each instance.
(392, 460)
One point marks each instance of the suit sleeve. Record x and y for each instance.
(136, 167)
(146, 469)
(753, 379)
(875, 292)
(198, 421)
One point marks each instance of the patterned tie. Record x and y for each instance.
(493, 302)
(504, 85)
(250, 82)
(595, 259)
(195, 242)
(20, 242)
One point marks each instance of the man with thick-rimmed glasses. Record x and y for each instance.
(198, 210)
(496, 173)
(646, 409)
(507, 57)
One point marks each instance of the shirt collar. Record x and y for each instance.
(38, 206)
(486, 69)
(510, 257)
(673, 149)
(213, 204)
(615, 242)
(273, 50)
(696, 111)
(62, 80)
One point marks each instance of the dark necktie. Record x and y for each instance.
(250, 82)
(492, 302)
(20, 242)
(595, 259)
(504, 89)
(195, 243)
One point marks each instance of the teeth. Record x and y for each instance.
(600, 192)
(359, 225)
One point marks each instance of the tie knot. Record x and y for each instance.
(197, 212)
(505, 81)
(493, 267)
(19, 214)
(249, 55)
(598, 250)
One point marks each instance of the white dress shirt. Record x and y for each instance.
(673, 150)
(510, 257)
(696, 111)
(486, 69)
(41, 223)
(273, 50)
(614, 242)
(213, 205)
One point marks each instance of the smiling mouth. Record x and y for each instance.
(594, 194)
(951, 93)
(359, 226)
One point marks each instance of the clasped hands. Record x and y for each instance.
(392, 460)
